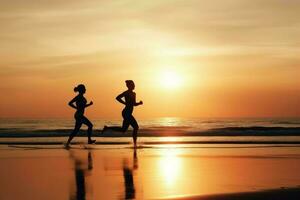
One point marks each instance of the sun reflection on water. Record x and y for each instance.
(170, 121)
(170, 165)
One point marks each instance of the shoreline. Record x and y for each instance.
(161, 131)
(155, 142)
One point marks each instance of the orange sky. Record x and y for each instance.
(229, 58)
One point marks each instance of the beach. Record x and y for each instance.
(152, 171)
(160, 100)
(176, 158)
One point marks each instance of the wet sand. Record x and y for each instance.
(276, 194)
(151, 172)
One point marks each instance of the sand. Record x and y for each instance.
(151, 172)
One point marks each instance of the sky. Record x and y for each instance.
(188, 58)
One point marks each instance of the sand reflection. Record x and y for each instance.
(175, 172)
(169, 167)
(82, 169)
(148, 173)
(113, 176)
(128, 176)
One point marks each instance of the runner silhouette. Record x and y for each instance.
(128, 98)
(80, 103)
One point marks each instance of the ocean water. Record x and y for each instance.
(158, 127)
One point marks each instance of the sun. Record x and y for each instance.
(171, 79)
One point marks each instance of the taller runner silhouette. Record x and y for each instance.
(128, 98)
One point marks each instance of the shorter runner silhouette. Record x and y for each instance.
(80, 103)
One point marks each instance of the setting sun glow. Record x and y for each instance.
(184, 54)
(171, 79)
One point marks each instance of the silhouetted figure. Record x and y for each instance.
(128, 177)
(90, 161)
(135, 160)
(80, 174)
(80, 184)
(80, 103)
(128, 119)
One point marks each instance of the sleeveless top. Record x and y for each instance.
(129, 101)
(80, 104)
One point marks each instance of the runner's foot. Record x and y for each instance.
(104, 129)
(92, 141)
(67, 146)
